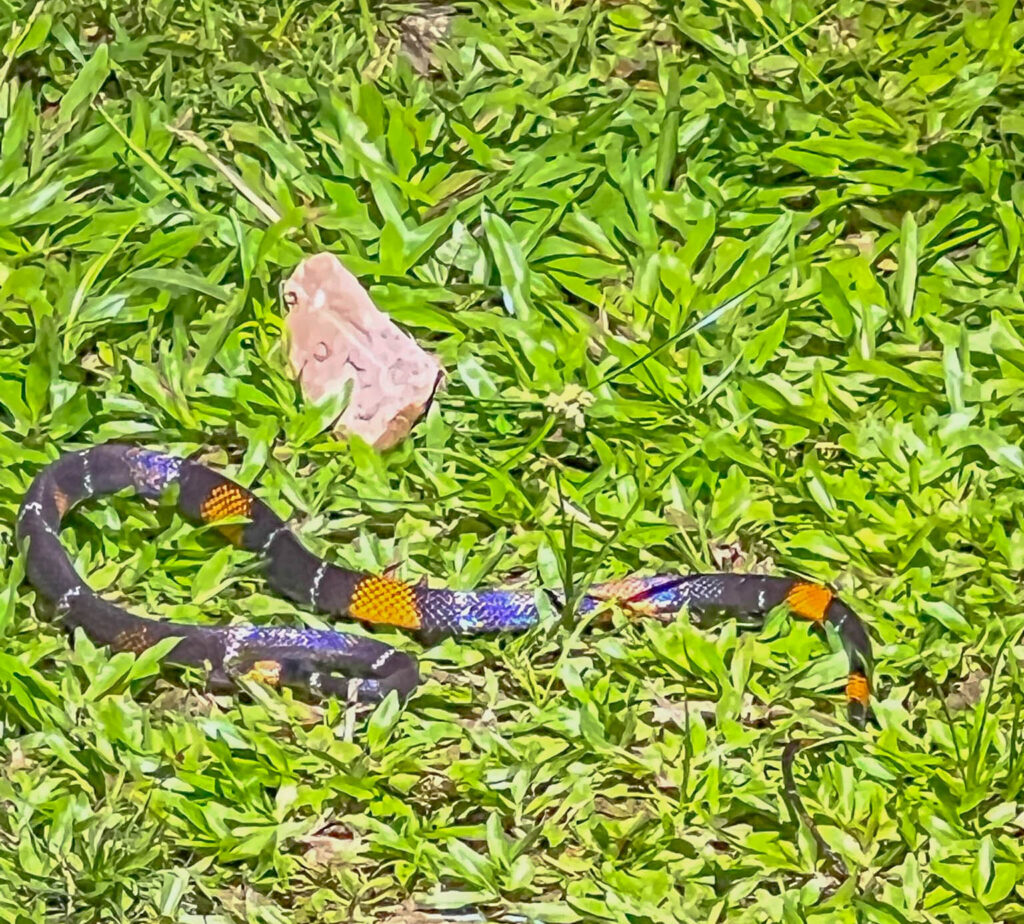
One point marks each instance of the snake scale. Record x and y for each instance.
(321, 663)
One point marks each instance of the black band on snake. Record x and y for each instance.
(321, 663)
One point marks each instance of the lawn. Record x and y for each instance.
(716, 284)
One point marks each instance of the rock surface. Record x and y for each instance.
(337, 335)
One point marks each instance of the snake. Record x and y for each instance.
(324, 663)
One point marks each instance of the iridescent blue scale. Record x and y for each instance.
(152, 471)
(471, 612)
(276, 637)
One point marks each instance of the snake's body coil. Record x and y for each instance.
(321, 663)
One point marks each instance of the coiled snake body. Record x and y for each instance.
(321, 663)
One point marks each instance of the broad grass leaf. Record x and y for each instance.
(86, 84)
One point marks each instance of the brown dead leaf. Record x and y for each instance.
(422, 31)
(967, 692)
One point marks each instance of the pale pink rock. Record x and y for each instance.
(337, 335)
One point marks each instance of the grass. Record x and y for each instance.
(554, 199)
